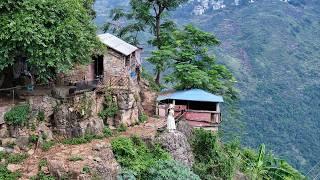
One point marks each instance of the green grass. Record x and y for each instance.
(82, 140)
(47, 145)
(16, 158)
(122, 128)
(75, 158)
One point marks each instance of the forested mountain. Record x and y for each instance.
(273, 49)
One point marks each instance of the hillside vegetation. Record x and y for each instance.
(273, 49)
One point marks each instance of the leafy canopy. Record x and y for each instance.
(51, 35)
(186, 51)
(145, 16)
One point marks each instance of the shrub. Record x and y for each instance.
(16, 158)
(126, 174)
(86, 170)
(110, 107)
(42, 163)
(122, 128)
(33, 138)
(42, 176)
(7, 175)
(133, 154)
(170, 170)
(143, 118)
(212, 159)
(18, 115)
(41, 116)
(75, 158)
(47, 145)
(107, 132)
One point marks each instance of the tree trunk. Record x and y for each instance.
(158, 31)
(157, 80)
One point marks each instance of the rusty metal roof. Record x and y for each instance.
(117, 44)
(191, 95)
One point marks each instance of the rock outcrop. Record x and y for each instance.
(177, 145)
(95, 160)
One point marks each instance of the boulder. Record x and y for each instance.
(57, 168)
(22, 142)
(4, 133)
(44, 130)
(185, 128)
(13, 167)
(177, 145)
(105, 164)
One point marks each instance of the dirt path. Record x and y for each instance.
(61, 152)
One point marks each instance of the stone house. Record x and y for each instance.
(121, 62)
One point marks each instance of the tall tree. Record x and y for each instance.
(144, 15)
(52, 36)
(193, 66)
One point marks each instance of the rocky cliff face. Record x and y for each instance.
(177, 145)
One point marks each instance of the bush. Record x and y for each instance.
(42, 163)
(126, 175)
(110, 107)
(107, 132)
(143, 118)
(41, 116)
(133, 154)
(122, 128)
(86, 170)
(33, 138)
(16, 158)
(170, 170)
(42, 176)
(18, 115)
(212, 159)
(47, 145)
(7, 175)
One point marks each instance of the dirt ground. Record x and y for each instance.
(62, 152)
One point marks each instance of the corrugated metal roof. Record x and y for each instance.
(117, 44)
(191, 95)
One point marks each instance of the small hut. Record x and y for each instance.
(198, 107)
(117, 66)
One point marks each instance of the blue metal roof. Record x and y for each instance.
(191, 95)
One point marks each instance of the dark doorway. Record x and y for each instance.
(98, 66)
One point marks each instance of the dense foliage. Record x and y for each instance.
(214, 160)
(265, 166)
(186, 53)
(133, 154)
(52, 36)
(110, 108)
(170, 170)
(272, 48)
(6, 174)
(18, 115)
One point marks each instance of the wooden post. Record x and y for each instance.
(157, 109)
(13, 96)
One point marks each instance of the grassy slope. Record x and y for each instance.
(274, 50)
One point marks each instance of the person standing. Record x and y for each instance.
(171, 124)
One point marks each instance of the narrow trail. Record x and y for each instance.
(62, 152)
